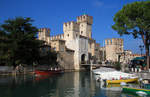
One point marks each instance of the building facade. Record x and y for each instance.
(76, 42)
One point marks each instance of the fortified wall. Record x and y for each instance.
(77, 37)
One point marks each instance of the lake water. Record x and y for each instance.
(72, 84)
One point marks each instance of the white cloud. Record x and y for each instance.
(97, 3)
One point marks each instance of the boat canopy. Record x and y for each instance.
(140, 58)
(138, 61)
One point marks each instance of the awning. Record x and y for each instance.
(140, 58)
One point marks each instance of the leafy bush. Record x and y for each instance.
(117, 66)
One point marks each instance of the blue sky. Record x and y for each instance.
(53, 13)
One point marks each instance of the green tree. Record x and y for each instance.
(47, 56)
(18, 43)
(134, 19)
(3, 48)
(117, 65)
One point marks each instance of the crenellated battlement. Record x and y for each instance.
(68, 26)
(85, 18)
(57, 37)
(44, 34)
(114, 41)
(44, 30)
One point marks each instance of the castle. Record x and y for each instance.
(76, 45)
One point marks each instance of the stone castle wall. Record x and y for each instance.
(66, 61)
(114, 48)
(77, 36)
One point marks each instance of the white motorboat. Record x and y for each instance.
(100, 71)
(111, 74)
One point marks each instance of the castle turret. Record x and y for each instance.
(71, 30)
(85, 23)
(44, 34)
(114, 48)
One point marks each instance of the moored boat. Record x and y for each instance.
(98, 73)
(113, 76)
(138, 91)
(48, 72)
(129, 80)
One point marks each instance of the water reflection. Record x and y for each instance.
(73, 84)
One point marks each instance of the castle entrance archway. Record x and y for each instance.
(83, 59)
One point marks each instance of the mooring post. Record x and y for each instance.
(91, 65)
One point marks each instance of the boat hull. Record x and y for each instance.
(136, 91)
(48, 72)
(122, 80)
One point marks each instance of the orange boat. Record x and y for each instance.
(48, 72)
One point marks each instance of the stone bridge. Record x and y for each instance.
(91, 66)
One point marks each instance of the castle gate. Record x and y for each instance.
(83, 61)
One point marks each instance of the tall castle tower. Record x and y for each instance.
(85, 24)
(44, 34)
(114, 48)
(71, 30)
